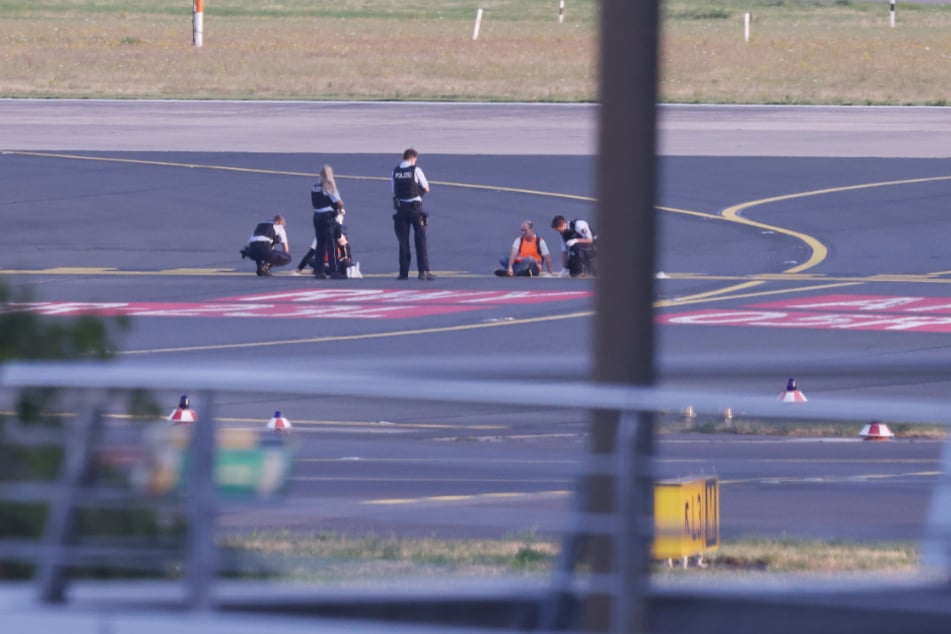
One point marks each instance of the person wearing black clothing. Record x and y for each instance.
(409, 187)
(268, 246)
(325, 198)
(578, 247)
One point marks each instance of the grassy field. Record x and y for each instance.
(331, 557)
(800, 51)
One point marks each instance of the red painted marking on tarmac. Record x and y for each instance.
(810, 320)
(312, 304)
(865, 303)
(400, 296)
(228, 310)
(892, 313)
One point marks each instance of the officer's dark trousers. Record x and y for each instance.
(263, 252)
(324, 224)
(411, 215)
(582, 260)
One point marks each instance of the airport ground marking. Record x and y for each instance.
(467, 498)
(732, 214)
(273, 172)
(360, 337)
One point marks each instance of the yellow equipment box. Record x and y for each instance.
(686, 517)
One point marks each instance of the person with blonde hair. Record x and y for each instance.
(327, 204)
(268, 246)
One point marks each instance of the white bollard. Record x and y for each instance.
(475, 31)
(891, 15)
(561, 11)
(746, 27)
(198, 22)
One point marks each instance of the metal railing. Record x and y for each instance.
(571, 592)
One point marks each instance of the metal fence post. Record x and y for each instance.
(202, 560)
(624, 333)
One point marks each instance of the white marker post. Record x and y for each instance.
(746, 27)
(475, 31)
(198, 22)
(891, 14)
(561, 11)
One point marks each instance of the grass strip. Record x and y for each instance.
(802, 52)
(335, 557)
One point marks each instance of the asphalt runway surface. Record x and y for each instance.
(794, 236)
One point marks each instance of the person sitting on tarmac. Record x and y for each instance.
(307, 260)
(529, 253)
(268, 246)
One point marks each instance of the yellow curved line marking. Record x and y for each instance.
(374, 335)
(731, 214)
(819, 250)
(698, 297)
(287, 173)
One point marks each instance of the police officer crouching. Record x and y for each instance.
(268, 246)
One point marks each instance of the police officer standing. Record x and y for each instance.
(325, 198)
(409, 186)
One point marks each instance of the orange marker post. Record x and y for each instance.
(198, 19)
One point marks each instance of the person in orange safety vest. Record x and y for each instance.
(529, 254)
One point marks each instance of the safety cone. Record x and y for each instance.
(183, 414)
(792, 394)
(876, 431)
(278, 423)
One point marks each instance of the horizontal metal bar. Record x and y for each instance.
(569, 395)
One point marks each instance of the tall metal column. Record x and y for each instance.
(624, 334)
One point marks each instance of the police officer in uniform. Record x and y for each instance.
(409, 186)
(327, 204)
(578, 247)
(268, 246)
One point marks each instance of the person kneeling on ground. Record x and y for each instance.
(529, 253)
(268, 246)
(578, 247)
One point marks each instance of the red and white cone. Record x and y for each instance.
(792, 394)
(183, 414)
(876, 431)
(278, 423)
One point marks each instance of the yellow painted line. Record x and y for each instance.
(713, 297)
(715, 294)
(114, 271)
(296, 422)
(437, 480)
(846, 460)
(365, 336)
(731, 214)
(819, 252)
(453, 460)
(391, 501)
(885, 278)
(254, 170)
(466, 498)
(370, 424)
(832, 479)
(197, 272)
